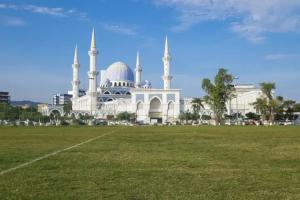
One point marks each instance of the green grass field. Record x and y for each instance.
(151, 163)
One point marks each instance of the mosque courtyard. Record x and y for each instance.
(181, 162)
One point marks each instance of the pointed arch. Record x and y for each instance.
(155, 110)
(155, 97)
(139, 109)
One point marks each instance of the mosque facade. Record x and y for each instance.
(120, 89)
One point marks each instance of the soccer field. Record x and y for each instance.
(150, 163)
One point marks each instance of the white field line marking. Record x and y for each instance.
(54, 153)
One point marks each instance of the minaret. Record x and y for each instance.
(92, 74)
(138, 71)
(75, 82)
(166, 60)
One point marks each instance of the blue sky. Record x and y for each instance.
(256, 41)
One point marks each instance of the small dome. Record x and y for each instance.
(146, 84)
(107, 83)
(119, 71)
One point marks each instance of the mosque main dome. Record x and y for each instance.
(119, 71)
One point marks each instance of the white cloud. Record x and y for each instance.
(118, 28)
(252, 19)
(45, 10)
(57, 11)
(280, 56)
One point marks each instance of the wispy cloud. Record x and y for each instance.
(119, 28)
(53, 11)
(251, 19)
(273, 57)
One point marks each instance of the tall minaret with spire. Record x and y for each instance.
(75, 82)
(92, 74)
(138, 71)
(166, 60)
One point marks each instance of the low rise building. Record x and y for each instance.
(61, 99)
(245, 96)
(4, 97)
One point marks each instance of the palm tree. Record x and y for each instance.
(261, 107)
(218, 92)
(267, 106)
(274, 107)
(267, 89)
(197, 105)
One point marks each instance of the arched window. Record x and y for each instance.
(106, 92)
(120, 84)
(115, 84)
(117, 93)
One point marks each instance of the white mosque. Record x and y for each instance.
(122, 90)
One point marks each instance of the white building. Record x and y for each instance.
(61, 99)
(245, 96)
(120, 89)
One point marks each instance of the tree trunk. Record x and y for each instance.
(218, 120)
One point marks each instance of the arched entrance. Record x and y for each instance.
(170, 111)
(155, 111)
(55, 114)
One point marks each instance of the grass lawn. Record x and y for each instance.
(151, 163)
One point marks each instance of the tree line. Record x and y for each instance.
(13, 113)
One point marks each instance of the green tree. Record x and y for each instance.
(131, 117)
(13, 113)
(275, 105)
(197, 105)
(261, 107)
(218, 93)
(4, 110)
(267, 105)
(186, 116)
(271, 105)
(297, 107)
(286, 110)
(252, 116)
(267, 89)
(289, 109)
